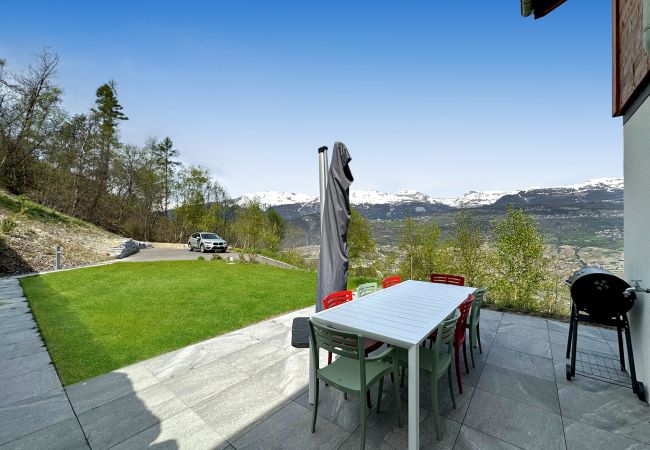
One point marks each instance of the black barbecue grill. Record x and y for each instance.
(600, 297)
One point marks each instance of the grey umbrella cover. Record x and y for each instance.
(333, 260)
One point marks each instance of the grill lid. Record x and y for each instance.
(599, 292)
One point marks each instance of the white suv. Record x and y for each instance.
(206, 242)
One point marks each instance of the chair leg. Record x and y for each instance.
(401, 381)
(478, 337)
(381, 390)
(569, 340)
(398, 406)
(368, 400)
(451, 386)
(313, 420)
(436, 417)
(471, 346)
(457, 360)
(621, 355)
(329, 358)
(465, 356)
(362, 409)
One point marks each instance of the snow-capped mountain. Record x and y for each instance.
(599, 189)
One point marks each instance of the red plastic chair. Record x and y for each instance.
(445, 278)
(459, 338)
(370, 345)
(391, 281)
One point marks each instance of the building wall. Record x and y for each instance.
(637, 230)
(631, 64)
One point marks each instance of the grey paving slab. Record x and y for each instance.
(519, 424)
(228, 343)
(288, 376)
(19, 349)
(24, 364)
(255, 358)
(13, 301)
(19, 336)
(287, 319)
(489, 324)
(10, 311)
(19, 324)
(583, 330)
(471, 439)
(116, 421)
(65, 435)
(605, 406)
(234, 411)
(522, 362)
(490, 314)
(526, 321)
(382, 431)
(264, 330)
(180, 361)
(580, 436)
(608, 334)
(16, 389)
(526, 344)
(518, 386)
(33, 414)
(524, 331)
(198, 384)
(290, 428)
(184, 431)
(91, 393)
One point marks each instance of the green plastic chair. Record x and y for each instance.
(474, 322)
(367, 288)
(352, 372)
(435, 363)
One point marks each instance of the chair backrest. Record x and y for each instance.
(391, 281)
(464, 309)
(446, 278)
(348, 345)
(445, 334)
(475, 314)
(336, 298)
(366, 288)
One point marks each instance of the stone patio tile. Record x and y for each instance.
(179, 362)
(20, 324)
(200, 383)
(526, 344)
(24, 364)
(523, 388)
(490, 314)
(255, 358)
(287, 319)
(594, 346)
(10, 311)
(19, 349)
(234, 411)
(487, 340)
(471, 439)
(91, 393)
(290, 428)
(580, 436)
(583, 330)
(8, 292)
(609, 334)
(44, 382)
(18, 336)
(65, 435)
(228, 343)
(522, 362)
(514, 422)
(606, 406)
(32, 414)
(7, 302)
(184, 431)
(526, 321)
(282, 341)
(489, 324)
(116, 421)
(264, 330)
(516, 329)
(382, 431)
(289, 376)
(558, 351)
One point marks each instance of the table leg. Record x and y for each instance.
(414, 398)
(312, 375)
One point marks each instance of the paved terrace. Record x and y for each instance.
(248, 390)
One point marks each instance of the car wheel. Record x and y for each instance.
(189, 247)
(202, 248)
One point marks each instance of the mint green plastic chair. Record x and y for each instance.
(367, 288)
(352, 372)
(474, 322)
(435, 362)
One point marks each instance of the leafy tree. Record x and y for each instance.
(468, 251)
(520, 269)
(361, 245)
(166, 155)
(424, 252)
(277, 223)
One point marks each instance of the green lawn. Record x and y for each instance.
(99, 319)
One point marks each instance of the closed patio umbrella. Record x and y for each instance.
(333, 260)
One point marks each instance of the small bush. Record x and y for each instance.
(7, 225)
(201, 258)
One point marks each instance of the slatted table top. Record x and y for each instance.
(403, 314)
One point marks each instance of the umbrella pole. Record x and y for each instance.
(322, 178)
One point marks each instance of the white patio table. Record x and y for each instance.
(403, 315)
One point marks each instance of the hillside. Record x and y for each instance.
(29, 233)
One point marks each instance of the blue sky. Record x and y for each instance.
(442, 97)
